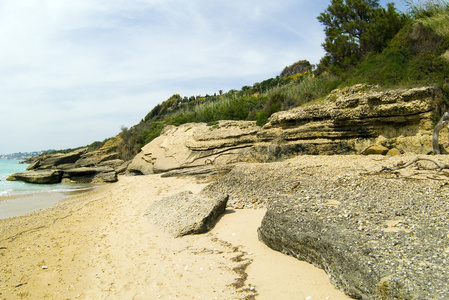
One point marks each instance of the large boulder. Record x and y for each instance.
(195, 144)
(41, 177)
(186, 213)
(376, 236)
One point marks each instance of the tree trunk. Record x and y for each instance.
(443, 122)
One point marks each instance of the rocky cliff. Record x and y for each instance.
(348, 121)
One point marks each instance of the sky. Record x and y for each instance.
(75, 72)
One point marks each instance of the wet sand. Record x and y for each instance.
(16, 205)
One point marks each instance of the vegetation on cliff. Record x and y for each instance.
(365, 43)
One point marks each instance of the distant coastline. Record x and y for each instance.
(23, 155)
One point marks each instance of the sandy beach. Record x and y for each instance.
(100, 245)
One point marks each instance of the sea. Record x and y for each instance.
(17, 198)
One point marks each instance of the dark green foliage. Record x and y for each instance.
(95, 146)
(166, 107)
(262, 87)
(129, 145)
(300, 66)
(152, 131)
(355, 28)
(413, 57)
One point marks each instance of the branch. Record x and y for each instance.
(443, 122)
(439, 165)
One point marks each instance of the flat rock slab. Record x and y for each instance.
(201, 171)
(375, 238)
(186, 213)
(41, 177)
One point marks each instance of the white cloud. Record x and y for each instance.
(73, 72)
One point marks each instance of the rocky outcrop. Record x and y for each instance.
(351, 119)
(377, 235)
(348, 121)
(41, 177)
(193, 145)
(186, 213)
(79, 166)
(50, 161)
(90, 175)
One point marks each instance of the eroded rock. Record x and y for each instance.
(90, 174)
(79, 166)
(49, 161)
(192, 145)
(41, 177)
(186, 213)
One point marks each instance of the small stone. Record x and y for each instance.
(375, 150)
(393, 152)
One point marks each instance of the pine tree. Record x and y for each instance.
(354, 28)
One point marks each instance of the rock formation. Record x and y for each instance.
(42, 177)
(351, 119)
(186, 213)
(193, 145)
(79, 166)
(348, 121)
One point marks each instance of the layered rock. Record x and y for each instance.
(348, 121)
(79, 166)
(41, 177)
(196, 144)
(59, 160)
(90, 175)
(373, 239)
(351, 119)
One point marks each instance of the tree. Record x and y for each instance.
(300, 66)
(128, 146)
(354, 28)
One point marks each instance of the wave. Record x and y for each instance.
(4, 193)
(29, 189)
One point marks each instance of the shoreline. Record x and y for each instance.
(19, 204)
(100, 244)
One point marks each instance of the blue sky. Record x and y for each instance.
(74, 72)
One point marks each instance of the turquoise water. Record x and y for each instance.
(18, 197)
(10, 188)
